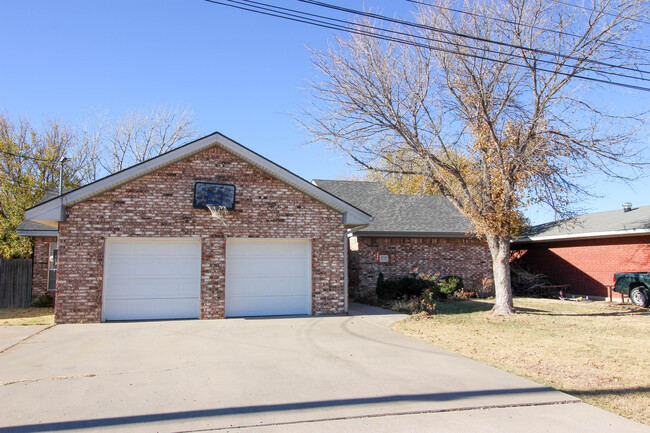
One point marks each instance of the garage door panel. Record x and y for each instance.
(292, 249)
(263, 267)
(245, 306)
(262, 286)
(285, 286)
(143, 287)
(286, 304)
(281, 306)
(287, 266)
(139, 309)
(268, 277)
(247, 287)
(152, 279)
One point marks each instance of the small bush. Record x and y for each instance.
(451, 285)
(386, 289)
(44, 301)
(428, 301)
(407, 306)
(404, 288)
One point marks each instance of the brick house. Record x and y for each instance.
(141, 243)
(585, 252)
(45, 251)
(407, 232)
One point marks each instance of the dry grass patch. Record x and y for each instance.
(26, 316)
(594, 351)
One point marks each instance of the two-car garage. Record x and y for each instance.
(208, 230)
(160, 278)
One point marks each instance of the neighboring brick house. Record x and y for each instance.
(141, 243)
(407, 232)
(45, 251)
(585, 252)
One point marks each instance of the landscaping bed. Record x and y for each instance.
(26, 316)
(597, 352)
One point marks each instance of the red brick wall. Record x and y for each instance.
(40, 265)
(587, 265)
(467, 258)
(160, 205)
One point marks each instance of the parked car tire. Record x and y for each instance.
(640, 296)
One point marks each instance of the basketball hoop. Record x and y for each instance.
(218, 211)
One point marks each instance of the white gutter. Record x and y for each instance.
(38, 233)
(578, 236)
(346, 242)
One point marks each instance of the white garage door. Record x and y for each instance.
(268, 277)
(152, 279)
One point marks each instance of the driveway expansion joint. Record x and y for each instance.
(388, 414)
(27, 338)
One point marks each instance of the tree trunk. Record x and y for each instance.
(500, 251)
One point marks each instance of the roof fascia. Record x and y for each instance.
(352, 216)
(38, 233)
(394, 234)
(580, 236)
(52, 211)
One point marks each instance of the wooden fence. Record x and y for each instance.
(15, 283)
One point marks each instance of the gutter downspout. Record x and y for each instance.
(346, 242)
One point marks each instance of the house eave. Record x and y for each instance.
(53, 211)
(38, 233)
(581, 236)
(409, 234)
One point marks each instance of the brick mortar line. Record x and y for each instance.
(382, 415)
(26, 338)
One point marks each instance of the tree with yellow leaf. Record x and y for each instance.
(29, 164)
(496, 104)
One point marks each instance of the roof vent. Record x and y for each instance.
(627, 206)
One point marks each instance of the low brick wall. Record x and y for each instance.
(467, 258)
(160, 205)
(588, 266)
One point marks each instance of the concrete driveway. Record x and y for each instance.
(300, 374)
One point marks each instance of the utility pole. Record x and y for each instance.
(61, 162)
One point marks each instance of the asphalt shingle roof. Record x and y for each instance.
(31, 226)
(399, 213)
(637, 219)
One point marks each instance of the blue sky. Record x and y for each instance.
(240, 73)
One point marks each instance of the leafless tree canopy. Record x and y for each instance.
(133, 138)
(496, 108)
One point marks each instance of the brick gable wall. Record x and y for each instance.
(467, 258)
(588, 266)
(160, 205)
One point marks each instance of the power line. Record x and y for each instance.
(503, 20)
(297, 18)
(476, 38)
(16, 155)
(302, 15)
(591, 10)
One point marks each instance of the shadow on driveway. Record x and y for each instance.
(243, 410)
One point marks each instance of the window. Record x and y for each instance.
(51, 266)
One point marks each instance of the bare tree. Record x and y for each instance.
(90, 143)
(497, 106)
(140, 135)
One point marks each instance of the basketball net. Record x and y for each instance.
(218, 211)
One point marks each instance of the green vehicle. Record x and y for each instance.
(635, 285)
